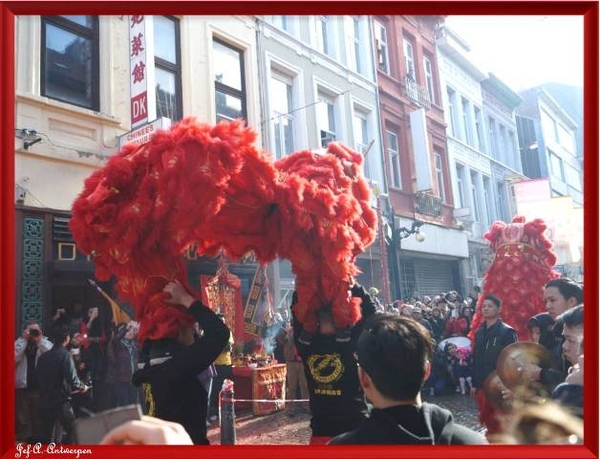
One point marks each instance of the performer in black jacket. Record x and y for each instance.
(491, 338)
(172, 371)
(394, 355)
(337, 402)
(57, 380)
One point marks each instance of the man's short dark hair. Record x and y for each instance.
(572, 317)
(494, 299)
(393, 350)
(568, 288)
(59, 332)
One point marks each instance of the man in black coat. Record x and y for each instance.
(174, 365)
(57, 380)
(394, 355)
(491, 338)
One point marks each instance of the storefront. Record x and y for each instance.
(432, 264)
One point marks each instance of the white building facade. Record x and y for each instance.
(317, 80)
(74, 76)
(470, 166)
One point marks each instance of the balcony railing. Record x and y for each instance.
(416, 92)
(428, 204)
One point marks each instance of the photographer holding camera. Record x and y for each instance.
(28, 348)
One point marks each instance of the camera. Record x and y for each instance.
(34, 332)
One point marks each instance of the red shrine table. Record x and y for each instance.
(261, 383)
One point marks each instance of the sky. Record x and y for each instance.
(524, 51)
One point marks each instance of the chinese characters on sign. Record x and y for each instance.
(143, 107)
(252, 319)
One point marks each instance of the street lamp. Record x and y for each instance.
(403, 232)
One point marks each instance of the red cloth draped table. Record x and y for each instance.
(261, 383)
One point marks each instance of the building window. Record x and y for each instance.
(549, 125)
(439, 174)
(281, 95)
(322, 34)
(487, 214)
(361, 137)
(500, 190)
(475, 197)
(466, 121)
(394, 158)
(493, 137)
(167, 64)
(409, 59)
(473, 265)
(67, 251)
(557, 166)
(460, 186)
(514, 154)
(282, 22)
(354, 44)
(230, 89)
(326, 119)
(566, 138)
(452, 122)
(381, 43)
(479, 129)
(287, 23)
(69, 60)
(573, 177)
(428, 67)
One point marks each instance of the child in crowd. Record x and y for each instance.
(460, 362)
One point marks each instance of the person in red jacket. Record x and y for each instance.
(456, 325)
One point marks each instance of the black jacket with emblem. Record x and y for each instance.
(337, 402)
(177, 393)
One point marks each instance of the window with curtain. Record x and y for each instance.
(326, 118)
(381, 42)
(281, 98)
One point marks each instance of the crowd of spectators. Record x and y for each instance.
(446, 315)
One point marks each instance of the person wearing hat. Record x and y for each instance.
(174, 364)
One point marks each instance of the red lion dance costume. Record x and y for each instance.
(209, 186)
(522, 266)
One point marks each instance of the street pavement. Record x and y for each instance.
(290, 427)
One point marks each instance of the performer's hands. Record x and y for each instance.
(178, 294)
(575, 375)
(147, 431)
